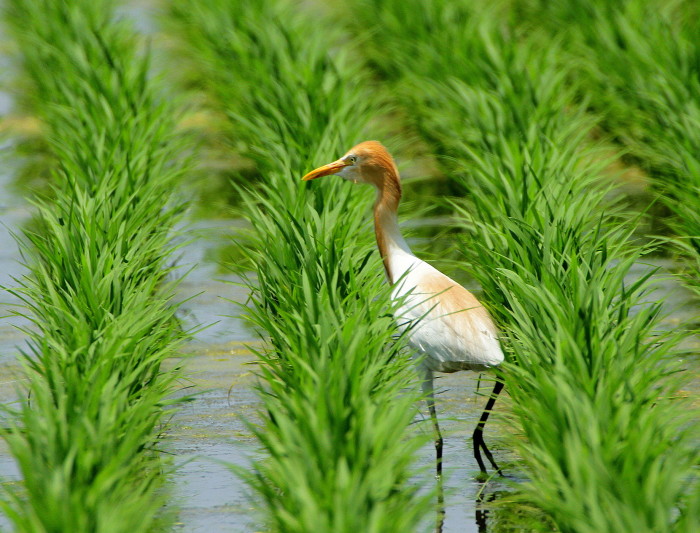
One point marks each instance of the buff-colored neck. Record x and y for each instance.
(386, 226)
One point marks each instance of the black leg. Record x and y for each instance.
(430, 398)
(478, 437)
(438, 435)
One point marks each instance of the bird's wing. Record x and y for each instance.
(449, 325)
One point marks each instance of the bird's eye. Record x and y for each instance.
(352, 159)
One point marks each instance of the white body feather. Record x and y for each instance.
(455, 331)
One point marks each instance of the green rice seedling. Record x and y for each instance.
(587, 369)
(622, 457)
(340, 456)
(284, 85)
(385, 27)
(84, 440)
(548, 260)
(336, 385)
(640, 64)
(97, 291)
(30, 85)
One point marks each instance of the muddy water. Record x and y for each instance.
(208, 433)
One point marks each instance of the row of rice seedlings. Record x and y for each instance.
(606, 448)
(97, 293)
(641, 61)
(339, 451)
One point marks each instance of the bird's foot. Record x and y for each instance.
(478, 443)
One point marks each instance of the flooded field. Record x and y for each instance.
(208, 436)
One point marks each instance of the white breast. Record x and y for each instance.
(448, 324)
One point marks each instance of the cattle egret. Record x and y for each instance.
(451, 328)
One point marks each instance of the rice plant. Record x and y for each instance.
(340, 452)
(607, 448)
(97, 291)
(641, 60)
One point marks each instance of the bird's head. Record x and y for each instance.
(368, 162)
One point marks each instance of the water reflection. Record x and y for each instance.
(440, 506)
(482, 511)
(480, 505)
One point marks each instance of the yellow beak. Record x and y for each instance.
(326, 170)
